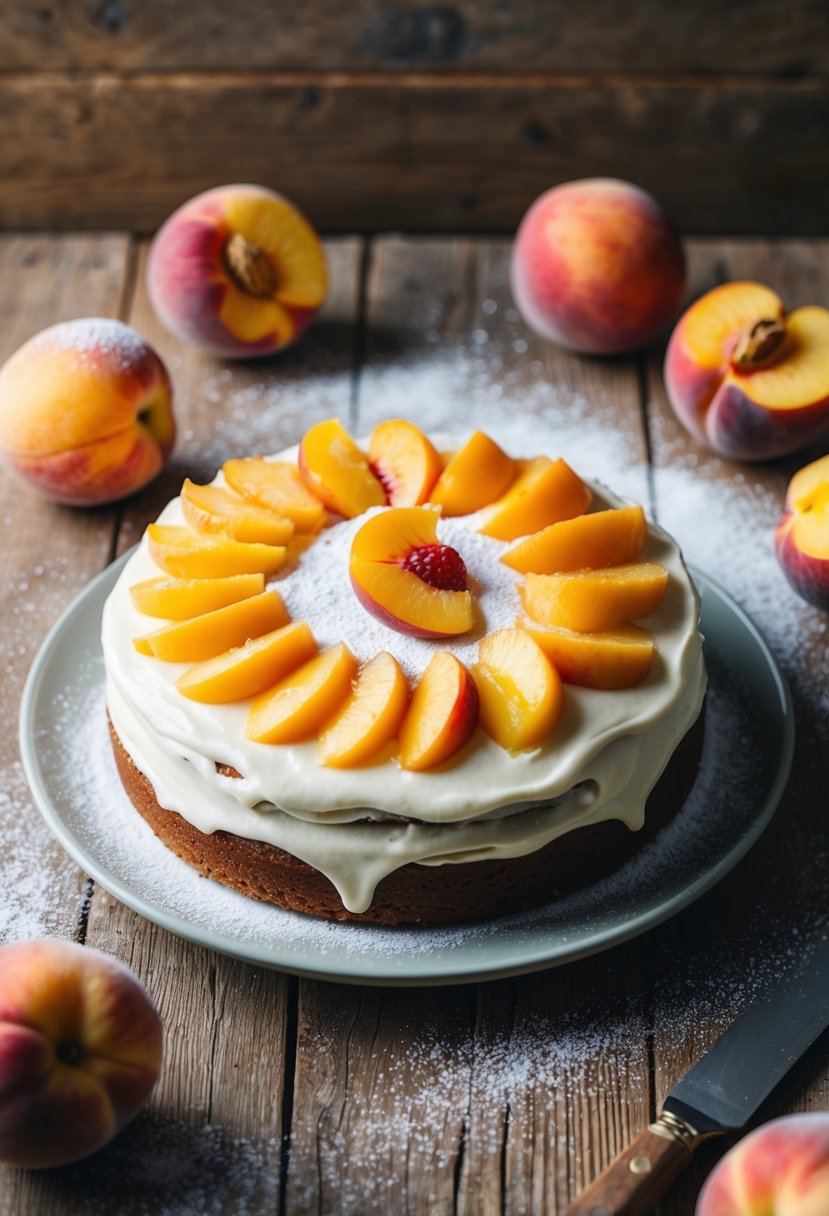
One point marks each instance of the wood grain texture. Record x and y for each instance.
(757, 36)
(461, 153)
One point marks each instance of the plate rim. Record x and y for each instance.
(534, 955)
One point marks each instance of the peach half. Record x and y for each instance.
(403, 575)
(802, 536)
(337, 471)
(237, 271)
(442, 715)
(597, 266)
(80, 1051)
(520, 690)
(86, 412)
(746, 379)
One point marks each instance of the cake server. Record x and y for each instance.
(720, 1093)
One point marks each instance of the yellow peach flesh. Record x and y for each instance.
(334, 468)
(475, 476)
(303, 702)
(370, 718)
(544, 493)
(180, 599)
(251, 668)
(183, 554)
(212, 510)
(520, 691)
(710, 326)
(603, 538)
(277, 485)
(591, 600)
(609, 660)
(802, 373)
(404, 459)
(205, 636)
(442, 714)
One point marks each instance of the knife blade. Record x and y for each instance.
(720, 1093)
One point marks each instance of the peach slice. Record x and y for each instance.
(214, 510)
(615, 659)
(745, 378)
(603, 538)
(520, 690)
(476, 475)
(175, 599)
(405, 577)
(593, 600)
(544, 492)
(205, 636)
(334, 468)
(404, 461)
(802, 536)
(303, 702)
(370, 718)
(276, 485)
(251, 668)
(182, 553)
(442, 715)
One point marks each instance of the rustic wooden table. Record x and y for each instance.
(295, 1096)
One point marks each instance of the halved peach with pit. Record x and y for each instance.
(184, 554)
(175, 599)
(277, 486)
(613, 659)
(215, 511)
(474, 476)
(544, 492)
(520, 690)
(403, 575)
(337, 471)
(442, 715)
(802, 536)
(370, 718)
(302, 702)
(603, 538)
(404, 461)
(205, 636)
(594, 600)
(249, 669)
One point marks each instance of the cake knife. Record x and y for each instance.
(720, 1093)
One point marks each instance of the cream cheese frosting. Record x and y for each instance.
(600, 763)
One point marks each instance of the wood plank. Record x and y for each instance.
(725, 951)
(461, 153)
(500, 1098)
(758, 36)
(49, 554)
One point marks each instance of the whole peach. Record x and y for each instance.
(86, 412)
(237, 271)
(80, 1051)
(802, 537)
(781, 1168)
(597, 266)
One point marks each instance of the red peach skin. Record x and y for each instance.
(781, 1169)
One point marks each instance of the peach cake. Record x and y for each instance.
(398, 683)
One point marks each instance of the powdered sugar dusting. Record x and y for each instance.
(89, 338)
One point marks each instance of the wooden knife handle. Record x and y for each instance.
(633, 1183)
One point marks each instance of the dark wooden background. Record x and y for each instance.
(423, 116)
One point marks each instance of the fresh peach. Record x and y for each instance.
(597, 266)
(301, 703)
(545, 492)
(237, 271)
(370, 718)
(80, 1051)
(216, 511)
(612, 659)
(175, 599)
(603, 538)
(473, 477)
(780, 1169)
(337, 471)
(442, 715)
(744, 378)
(205, 636)
(520, 690)
(86, 412)
(184, 554)
(276, 485)
(404, 576)
(802, 537)
(404, 461)
(251, 668)
(594, 600)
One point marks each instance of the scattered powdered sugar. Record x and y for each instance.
(89, 338)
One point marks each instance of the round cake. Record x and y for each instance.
(395, 683)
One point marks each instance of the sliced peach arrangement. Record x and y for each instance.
(277, 486)
(183, 554)
(215, 511)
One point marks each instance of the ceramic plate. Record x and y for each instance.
(745, 764)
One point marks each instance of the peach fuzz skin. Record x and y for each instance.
(202, 300)
(749, 412)
(802, 537)
(782, 1168)
(597, 266)
(86, 412)
(80, 1051)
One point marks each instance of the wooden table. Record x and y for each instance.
(295, 1096)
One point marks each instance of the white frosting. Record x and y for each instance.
(600, 763)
